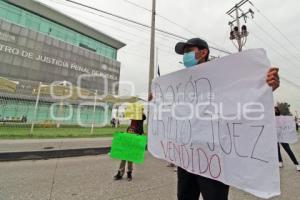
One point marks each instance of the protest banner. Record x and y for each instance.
(134, 111)
(286, 129)
(217, 120)
(128, 146)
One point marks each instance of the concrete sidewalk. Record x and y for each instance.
(12, 150)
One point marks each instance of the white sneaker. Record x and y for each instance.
(280, 165)
(298, 167)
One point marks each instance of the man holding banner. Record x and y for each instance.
(183, 145)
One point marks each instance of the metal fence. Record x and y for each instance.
(50, 106)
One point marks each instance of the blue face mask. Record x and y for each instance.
(189, 59)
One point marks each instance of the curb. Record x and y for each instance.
(44, 155)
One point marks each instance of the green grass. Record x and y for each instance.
(7, 132)
(71, 132)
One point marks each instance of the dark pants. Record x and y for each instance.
(289, 152)
(191, 185)
(123, 166)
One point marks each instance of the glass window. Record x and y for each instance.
(44, 27)
(31, 21)
(2, 12)
(14, 16)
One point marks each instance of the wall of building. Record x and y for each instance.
(29, 56)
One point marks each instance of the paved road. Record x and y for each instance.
(90, 178)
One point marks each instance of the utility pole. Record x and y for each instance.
(237, 32)
(152, 48)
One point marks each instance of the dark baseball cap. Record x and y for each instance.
(194, 42)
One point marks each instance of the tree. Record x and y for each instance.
(284, 108)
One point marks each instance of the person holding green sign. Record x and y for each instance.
(136, 127)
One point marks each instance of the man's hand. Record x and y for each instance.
(273, 78)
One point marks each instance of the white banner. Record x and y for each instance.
(217, 120)
(286, 129)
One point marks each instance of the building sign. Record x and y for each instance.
(53, 61)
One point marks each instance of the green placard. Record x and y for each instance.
(128, 146)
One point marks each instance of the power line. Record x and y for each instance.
(144, 57)
(131, 34)
(255, 36)
(170, 53)
(237, 7)
(268, 45)
(276, 41)
(160, 35)
(290, 82)
(174, 23)
(238, 32)
(137, 5)
(275, 50)
(275, 27)
(281, 77)
(135, 41)
(130, 53)
(141, 24)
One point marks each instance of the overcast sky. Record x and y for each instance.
(206, 19)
